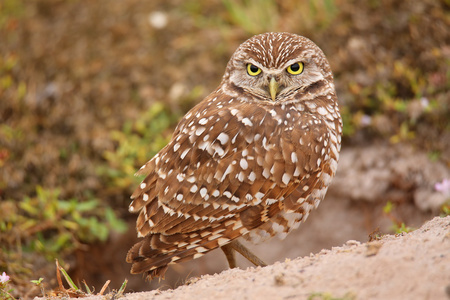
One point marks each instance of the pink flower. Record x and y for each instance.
(4, 278)
(443, 187)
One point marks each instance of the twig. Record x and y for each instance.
(8, 294)
(104, 287)
(58, 276)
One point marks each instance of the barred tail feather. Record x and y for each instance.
(155, 252)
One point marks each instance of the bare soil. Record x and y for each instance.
(413, 265)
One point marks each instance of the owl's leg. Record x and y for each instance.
(237, 246)
(229, 253)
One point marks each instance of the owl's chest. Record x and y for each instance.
(298, 132)
(285, 143)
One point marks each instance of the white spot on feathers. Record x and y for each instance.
(185, 152)
(247, 122)
(294, 157)
(241, 176)
(197, 255)
(286, 178)
(277, 227)
(194, 188)
(199, 131)
(271, 201)
(180, 177)
(203, 192)
(227, 171)
(222, 241)
(244, 164)
(252, 176)
(223, 138)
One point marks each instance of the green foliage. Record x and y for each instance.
(253, 16)
(445, 209)
(401, 228)
(53, 227)
(6, 294)
(5, 291)
(387, 209)
(397, 226)
(39, 284)
(9, 11)
(136, 143)
(256, 16)
(38, 281)
(394, 105)
(8, 83)
(321, 13)
(74, 291)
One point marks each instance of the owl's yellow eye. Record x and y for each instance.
(295, 69)
(253, 70)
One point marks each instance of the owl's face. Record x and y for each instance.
(277, 68)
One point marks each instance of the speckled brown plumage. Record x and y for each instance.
(252, 159)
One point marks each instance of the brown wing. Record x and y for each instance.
(229, 168)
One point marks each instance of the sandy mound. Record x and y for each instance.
(407, 266)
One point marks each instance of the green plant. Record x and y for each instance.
(5, 292)
(136, 143)
(253, 16)
(268, 15)
(445, 209)
(444, 188)
(52, 226)
(10, 10)
(74, 291)
(402, 228)
(39, 284)
(397, 226)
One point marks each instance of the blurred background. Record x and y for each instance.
(90, 90)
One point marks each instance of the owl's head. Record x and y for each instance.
(278, 67)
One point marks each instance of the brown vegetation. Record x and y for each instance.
(90, 90)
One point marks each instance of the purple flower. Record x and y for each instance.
(4, 278)
(443, 187)
(366, 120)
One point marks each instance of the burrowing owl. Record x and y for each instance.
(252, 159)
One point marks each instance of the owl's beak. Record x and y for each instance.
(273, 88)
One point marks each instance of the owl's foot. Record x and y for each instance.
(235, 245)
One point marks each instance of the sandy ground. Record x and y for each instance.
(406, 266)
(352, 209)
